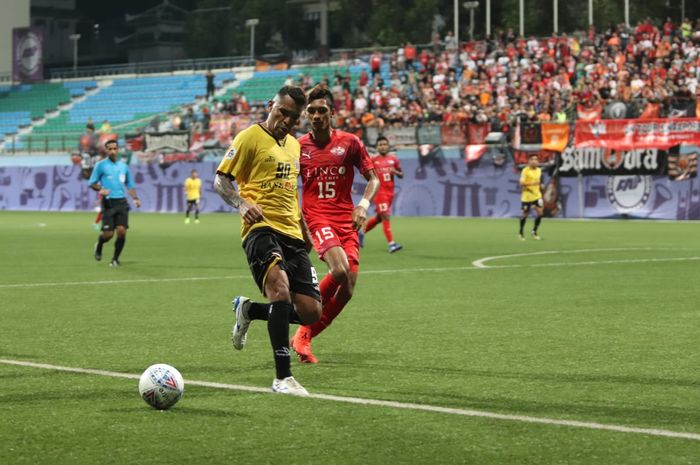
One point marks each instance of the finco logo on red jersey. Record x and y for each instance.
(338, 151)
(325, 172)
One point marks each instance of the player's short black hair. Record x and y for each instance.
(381, 138)
(111, 141)
(296, 93)
(533, 155)
(321, 92)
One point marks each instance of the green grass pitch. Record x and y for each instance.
(598, 322)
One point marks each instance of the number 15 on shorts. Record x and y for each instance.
(324, 234)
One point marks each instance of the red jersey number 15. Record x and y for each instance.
(326, 190)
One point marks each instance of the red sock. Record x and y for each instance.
(386, 224)
(371, 223)
(99, 218)
(328, 287)
(330, 310)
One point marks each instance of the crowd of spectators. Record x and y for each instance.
(501, 80)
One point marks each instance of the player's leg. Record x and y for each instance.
(264, 251)
(196, 211)
(538, 219)
(105, 236)
(336, 282)
(119, 244)
(121, 221)
(325, 239)
(187, 212)
(107, 230)
(336, 304)
(525, 211)
(278, 292)
(302, 287)
(372, 223)
(380, 206)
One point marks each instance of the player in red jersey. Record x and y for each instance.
(328, 159)
(387, 166)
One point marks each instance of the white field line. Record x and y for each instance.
(388, 403)
(479, 265)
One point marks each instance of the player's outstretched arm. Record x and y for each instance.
(250, 213)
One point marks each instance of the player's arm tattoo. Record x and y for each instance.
(224, 187)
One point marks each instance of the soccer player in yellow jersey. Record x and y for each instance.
(193, 191)
(263, 160)
(531, 198)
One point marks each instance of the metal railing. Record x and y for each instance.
(42, 143)
(152, 67)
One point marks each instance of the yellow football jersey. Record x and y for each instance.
(531, 176)
(192, 188)
(266, 172)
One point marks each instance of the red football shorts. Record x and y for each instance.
(382, 202)
(327, 235)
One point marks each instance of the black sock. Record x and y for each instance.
(196, 214)
(294, 317)
(278, 329)
(100, 243)
(259, 311)
(522, 225)
(118, 246)
(537, 223)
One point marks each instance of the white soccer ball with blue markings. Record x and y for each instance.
(161, 386)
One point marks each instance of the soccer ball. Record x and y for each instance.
(161, 386)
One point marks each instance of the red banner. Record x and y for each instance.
(478, 133)
(589, 113)
(630, 134)
(452, 135)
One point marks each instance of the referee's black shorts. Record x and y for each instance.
(265, 247)
(115, 212)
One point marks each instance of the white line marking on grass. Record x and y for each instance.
(481, 263)
(386, 403)
(476, 265)
(121, 281)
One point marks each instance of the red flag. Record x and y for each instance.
(474, 153)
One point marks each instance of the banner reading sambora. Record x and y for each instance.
(630, 134)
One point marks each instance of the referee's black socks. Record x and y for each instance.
(278, 329)
(100, 243)
(118, 246)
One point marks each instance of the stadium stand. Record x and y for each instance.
(124, 101)
(650, 70)
(20, 104)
